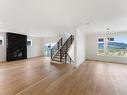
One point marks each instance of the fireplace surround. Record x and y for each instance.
(16, 46)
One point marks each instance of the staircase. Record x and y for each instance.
(59, 53)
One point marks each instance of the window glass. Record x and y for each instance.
(118, 46)
(100, 40)
(113, 46)
(100, 50)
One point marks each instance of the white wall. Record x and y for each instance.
(36, 49)
(71, 51)
(52, 39)
(3, 48)
(80, 47)
(91, 49)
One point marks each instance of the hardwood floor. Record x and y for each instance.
(39, 77)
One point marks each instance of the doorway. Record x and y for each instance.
(48, 47)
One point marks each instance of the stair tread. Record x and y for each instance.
(56, 62)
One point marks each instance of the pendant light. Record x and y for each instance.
(108, 34)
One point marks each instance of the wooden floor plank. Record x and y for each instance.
(39, 77)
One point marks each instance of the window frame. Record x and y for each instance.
(98, 46)
(106, 48)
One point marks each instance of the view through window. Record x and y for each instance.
(101, 46)
(114, 46)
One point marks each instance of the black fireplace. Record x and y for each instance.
(16, 46)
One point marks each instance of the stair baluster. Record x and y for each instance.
(62, 51)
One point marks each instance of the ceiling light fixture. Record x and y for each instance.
(108, 34)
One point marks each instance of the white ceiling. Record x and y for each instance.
(50, 17)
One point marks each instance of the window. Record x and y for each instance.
(118, 47)
(113, 46)
(29, 42)
(100, 46)
(1, 40)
